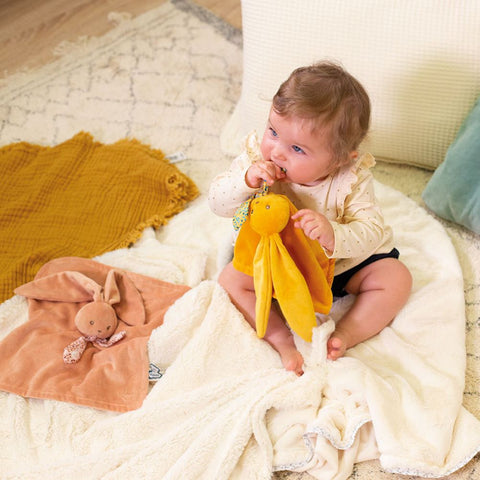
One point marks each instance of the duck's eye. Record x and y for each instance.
(267, 206)
(92, 322)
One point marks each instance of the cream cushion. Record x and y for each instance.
(419, 60)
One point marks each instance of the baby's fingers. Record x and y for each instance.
(302, 216)
(269, 173)
(257, 173)
(301, 213)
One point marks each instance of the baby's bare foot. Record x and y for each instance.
(292, 360)
(283, 343)
(336, 346)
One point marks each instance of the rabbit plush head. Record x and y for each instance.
(97, 319)
(269, 214)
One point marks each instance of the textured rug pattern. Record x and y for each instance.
(170, 79)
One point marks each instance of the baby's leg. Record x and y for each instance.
(382, 288)
(240, 288)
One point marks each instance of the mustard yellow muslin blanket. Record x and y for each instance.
(80, 198)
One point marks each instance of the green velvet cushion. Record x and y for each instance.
(453, 192)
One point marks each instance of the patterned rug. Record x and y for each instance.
(170, 79)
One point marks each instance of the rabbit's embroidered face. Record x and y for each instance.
(269, 214)
(96, 319)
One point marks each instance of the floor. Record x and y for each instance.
(31, 29)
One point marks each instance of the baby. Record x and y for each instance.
(309, 152)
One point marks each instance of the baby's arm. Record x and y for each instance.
(229, 190)
(359, 230)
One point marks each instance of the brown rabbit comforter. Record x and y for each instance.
(113, 378)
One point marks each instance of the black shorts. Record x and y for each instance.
(339, 281)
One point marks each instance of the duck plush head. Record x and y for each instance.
(284, 263)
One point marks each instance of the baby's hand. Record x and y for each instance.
(263, 170)
(315, 226)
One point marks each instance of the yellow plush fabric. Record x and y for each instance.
(284, 263)
(80, 198)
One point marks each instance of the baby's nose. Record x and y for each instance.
(278, 154)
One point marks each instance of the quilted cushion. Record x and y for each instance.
(418, 60)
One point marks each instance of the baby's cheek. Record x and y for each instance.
(265, 149)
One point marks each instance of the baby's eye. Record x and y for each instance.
(92, 322)
(108, 328)
(273, 132)
(297, 149)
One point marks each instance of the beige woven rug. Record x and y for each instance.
(170, 79)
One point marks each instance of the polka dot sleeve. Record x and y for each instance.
(229, 190)
(361, 229)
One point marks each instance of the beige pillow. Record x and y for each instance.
(418, 59)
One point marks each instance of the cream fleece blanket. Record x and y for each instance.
(226, 408)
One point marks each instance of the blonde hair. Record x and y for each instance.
(329, 96)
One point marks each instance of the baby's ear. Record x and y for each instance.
(68, 286)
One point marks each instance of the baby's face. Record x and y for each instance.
(303, 155)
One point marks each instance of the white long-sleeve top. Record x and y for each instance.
(346, 198)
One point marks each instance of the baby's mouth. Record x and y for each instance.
(282, 169)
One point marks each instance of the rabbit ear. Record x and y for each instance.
(291, 290)
(262, 280)
(111, 292)
(314, 265)
(68, 286)
(129, 307)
